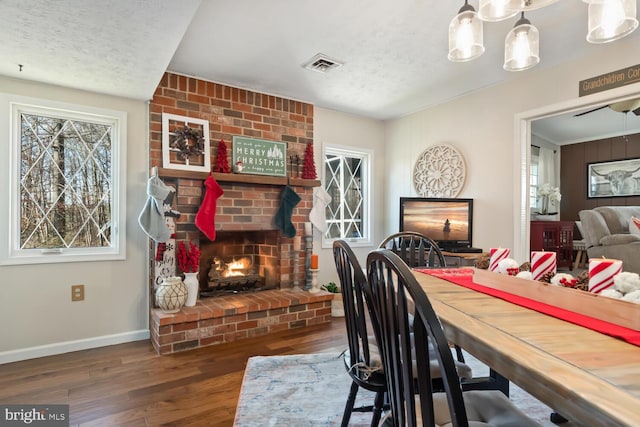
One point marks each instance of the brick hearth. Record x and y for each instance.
(230, 318)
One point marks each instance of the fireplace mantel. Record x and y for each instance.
(239, 178)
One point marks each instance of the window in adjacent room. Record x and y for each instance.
(65, 187)
(543, 170)
(346, 179)
(534, 176)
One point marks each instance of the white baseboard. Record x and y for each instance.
(68, 346)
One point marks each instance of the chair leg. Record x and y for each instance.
(378, 404)
(583, 260)
(576, 264)
(351, 400)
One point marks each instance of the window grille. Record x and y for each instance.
(346, 178)
(65, 205)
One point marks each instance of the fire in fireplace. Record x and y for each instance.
(239, 261)
(232, 277)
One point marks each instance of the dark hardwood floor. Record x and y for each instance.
(130, 385)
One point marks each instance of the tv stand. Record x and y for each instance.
(462, 250)
(461, 259)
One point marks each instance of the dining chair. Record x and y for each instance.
(415, 249)
(362, 358)
(419, 250)
(408, 375)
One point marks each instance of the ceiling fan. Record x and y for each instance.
(630, 105)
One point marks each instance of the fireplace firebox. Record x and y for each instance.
(238, 262)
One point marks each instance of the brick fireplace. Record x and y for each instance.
(244, 216)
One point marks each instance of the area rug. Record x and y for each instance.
(311, 389)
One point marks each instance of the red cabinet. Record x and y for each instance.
(554, 236)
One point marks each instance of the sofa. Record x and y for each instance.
(606, 234)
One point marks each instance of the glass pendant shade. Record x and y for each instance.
(611, 20)
(499, 10)
(522, 46)
(465, 35)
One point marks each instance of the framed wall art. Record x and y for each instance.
(618, 178)
(185, 143)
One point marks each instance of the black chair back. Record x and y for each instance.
(415, 249)
(394, 292)
(352, 281)
(360, 364)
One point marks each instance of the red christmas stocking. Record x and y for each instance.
(205, 218)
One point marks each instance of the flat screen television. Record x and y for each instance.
(447, 221)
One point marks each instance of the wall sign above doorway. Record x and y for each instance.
(611, 80)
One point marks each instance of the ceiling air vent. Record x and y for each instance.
(322, 63)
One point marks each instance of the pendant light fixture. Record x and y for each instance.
(465, 35)
(499, 10)
(610, 20)
(522, 46)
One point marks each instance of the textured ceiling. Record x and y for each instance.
(394, 53)
(117, 47)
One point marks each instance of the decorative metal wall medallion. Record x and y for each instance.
(439, 172)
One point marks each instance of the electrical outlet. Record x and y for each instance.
(77, 292)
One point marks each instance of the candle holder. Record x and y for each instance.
(314, 281)
(308, 246)
(296, 265)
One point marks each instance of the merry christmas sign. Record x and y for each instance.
(259, 156)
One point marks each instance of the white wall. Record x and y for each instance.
(36, 312)
(482, 127)
(335, 128)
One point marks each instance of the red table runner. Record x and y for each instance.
(464, 277)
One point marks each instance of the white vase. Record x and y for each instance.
(337, 307)
(171, 294)
(191, 282)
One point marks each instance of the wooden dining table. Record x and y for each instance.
(586, 376)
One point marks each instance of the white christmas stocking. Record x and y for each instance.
(317, 215)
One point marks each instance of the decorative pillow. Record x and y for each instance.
(634, 226)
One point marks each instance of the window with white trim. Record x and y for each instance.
(347, 181)
(534, 177)
(65, 202)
